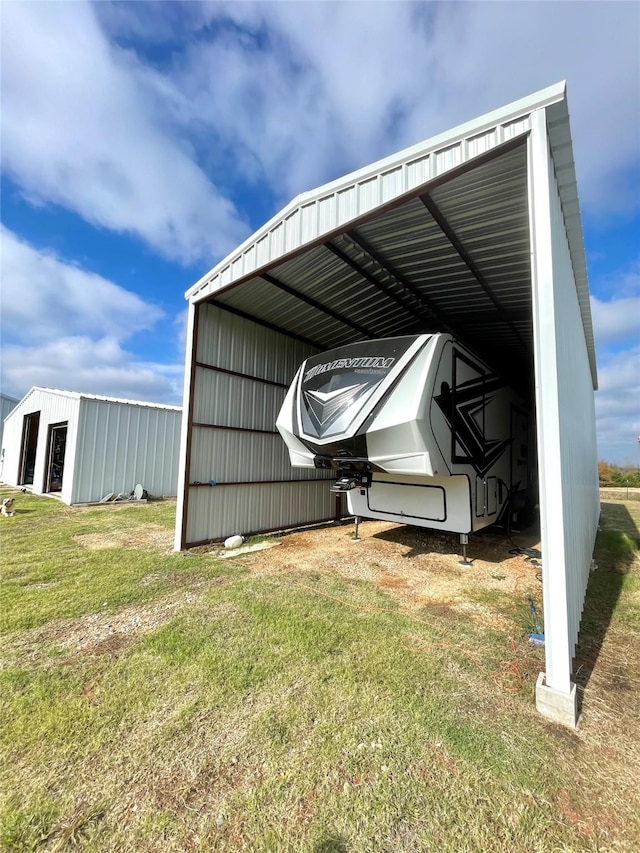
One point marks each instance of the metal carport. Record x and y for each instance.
(477, 232)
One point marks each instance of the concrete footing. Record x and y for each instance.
(557, 706)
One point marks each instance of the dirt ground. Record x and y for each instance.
(416, 567)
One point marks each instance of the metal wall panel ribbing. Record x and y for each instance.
(321, 275)
(230, 456)
(560, 137)
(121, 445)
(217, 513)
(186, 431)
(581, 496)
(569, 499)
(287, 312)
(11, 449)
(248, 348)
(235, 401)
(7, 404)
(249, 402)
(308, 223)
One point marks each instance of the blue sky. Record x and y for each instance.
(141, 142)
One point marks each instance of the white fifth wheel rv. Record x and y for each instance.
(418, 430)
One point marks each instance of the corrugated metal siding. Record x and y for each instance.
(561, 145)
(11, 446)
(286, 312)
(6, 406)
(229, 456)
(238, 455)
(400, 274)
(269, 356)
(410, 239)
(120, 445)
(569, 496)
(54, 408)
(217, 513)
(488, 212)
(235, 401)
(578, 447)
(10, 451)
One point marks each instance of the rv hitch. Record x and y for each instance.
(355, 480)
(344, 484)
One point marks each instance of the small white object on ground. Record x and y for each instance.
(233, 542)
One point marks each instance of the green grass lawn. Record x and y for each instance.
(153, 701)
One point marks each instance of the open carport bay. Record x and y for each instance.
(476, 232)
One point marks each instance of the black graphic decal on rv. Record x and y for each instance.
(326, 406)
(335, 385)
(463, 409)
(348, 364)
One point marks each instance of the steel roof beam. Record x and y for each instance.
(400, 300)
(317, 305)
(432, 311)
(453, 238)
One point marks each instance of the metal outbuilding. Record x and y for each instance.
(7, 403)
(476, 232)
(82, 447)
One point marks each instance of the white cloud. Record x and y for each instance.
(494, 52)
(616, 322)
(295, 111)
(616, 325)
(180, 325)
(304, 91)
(618, 407)
(285, 95)
(616, 319)
(289, 95)
(91, 366)
(77, 131)
(64, 327)
(44, 297)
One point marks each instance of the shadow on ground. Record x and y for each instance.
(615, 554)
(331, 844)
(493, 545)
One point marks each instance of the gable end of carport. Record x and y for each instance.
(476, 232)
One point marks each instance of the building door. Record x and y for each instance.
(29, 446)
(57, 445)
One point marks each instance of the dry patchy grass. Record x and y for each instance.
(325, 695)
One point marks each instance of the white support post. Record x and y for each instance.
(183, 461)
(555, 693)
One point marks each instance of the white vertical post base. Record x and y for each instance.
(559, 707)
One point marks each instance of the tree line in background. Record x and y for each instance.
(618, 476)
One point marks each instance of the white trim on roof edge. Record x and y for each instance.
(506, 123)
(501, 116)
(79, 395)
(504, 115)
